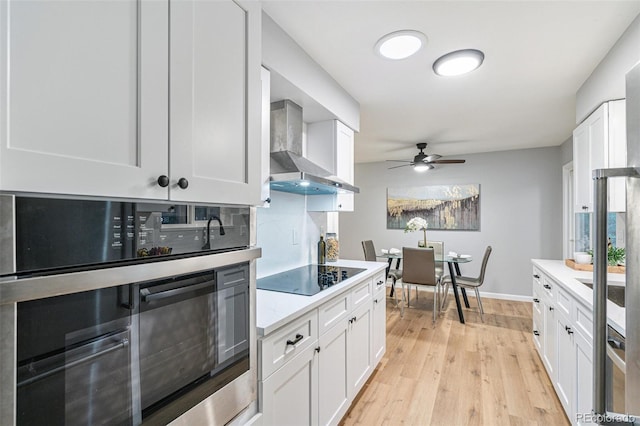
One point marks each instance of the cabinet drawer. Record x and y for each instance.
(333, 311)
(583, 318)
(537, 277)
(361, 293)
(537, 331)
(564, 302)
(285, 343)
(379, 282)
(537, 301)
(548, 288)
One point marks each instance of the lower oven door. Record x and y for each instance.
(177, 336)
(87, 384)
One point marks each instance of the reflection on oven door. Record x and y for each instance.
(87, 385)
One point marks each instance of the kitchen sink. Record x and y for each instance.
(615, 293)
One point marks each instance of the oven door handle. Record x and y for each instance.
(120, 344)
(147, 296)
(615, 358)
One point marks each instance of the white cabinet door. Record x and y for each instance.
(215, 102)
(359, 360)
(565, 367)
(289, 396)
(583, 375)
(265, 138)
(549, 345)
(330, 144)
(600, 142)
(332, 378)
(379, 329)
(582, 180)
(83, 95)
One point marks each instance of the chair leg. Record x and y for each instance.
(403, 299)
(445, 293)
(479, 303)
(435, 302)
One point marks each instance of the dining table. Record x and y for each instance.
(454, 271)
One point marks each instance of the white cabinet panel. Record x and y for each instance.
(84, 97)
(584, 375)
(215, 107)
(330, 144)
(360, 363)
(85, 89)
(600, 142)
(332, 377)
(565, 372)
(289, 396)
(379, 328)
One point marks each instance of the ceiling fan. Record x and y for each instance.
(422, 162)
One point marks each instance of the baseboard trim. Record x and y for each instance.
(488, 295)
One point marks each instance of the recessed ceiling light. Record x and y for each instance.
(458, 62)
(400, 44)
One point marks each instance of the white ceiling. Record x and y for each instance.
(537, 55)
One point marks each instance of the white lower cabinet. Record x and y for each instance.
(562, 335)
(359, 359)
(564, 381)
(289, 396)
(333, 384)
(379, 328)
(318, 384)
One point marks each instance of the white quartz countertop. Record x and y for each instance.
(568, 278)
(275, 309)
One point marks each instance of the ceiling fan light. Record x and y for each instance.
(400, 44)
(458, 62)
(422, 167)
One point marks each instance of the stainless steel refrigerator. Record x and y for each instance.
(617, 359)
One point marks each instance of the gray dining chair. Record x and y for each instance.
(438, 253)
(419, 268)
(470, 282)
(394, 274)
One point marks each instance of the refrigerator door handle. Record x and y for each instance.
(600, 177)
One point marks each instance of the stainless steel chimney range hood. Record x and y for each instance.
(290, 171)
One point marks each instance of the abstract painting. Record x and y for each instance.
(444, 207)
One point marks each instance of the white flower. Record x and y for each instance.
(416, 224)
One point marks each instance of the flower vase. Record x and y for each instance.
(423, 242)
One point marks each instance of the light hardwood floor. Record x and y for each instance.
(458, 374)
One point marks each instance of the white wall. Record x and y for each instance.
(608, 79)
(521, 213)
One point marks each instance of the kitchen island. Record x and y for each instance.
(315, 353)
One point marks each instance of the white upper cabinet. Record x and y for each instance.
(85, 99)
(600, 142)
(215, 102)
(330, 145)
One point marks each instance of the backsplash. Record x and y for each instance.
(287, 233)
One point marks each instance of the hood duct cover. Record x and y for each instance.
(290, 171)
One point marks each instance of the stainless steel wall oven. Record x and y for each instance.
(124, 313)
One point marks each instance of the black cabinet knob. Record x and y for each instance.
(551, 308)
(536, 276)
(536, 300)
(183, 183)
(268, 201)
(163, 181)
(536, 332)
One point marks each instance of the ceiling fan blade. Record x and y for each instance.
(404, 165)
(447, 161)
(400, 161)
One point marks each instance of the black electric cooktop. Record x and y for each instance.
(307, 280)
